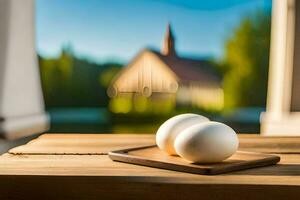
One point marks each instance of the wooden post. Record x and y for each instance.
(283, 102)
(21, 101)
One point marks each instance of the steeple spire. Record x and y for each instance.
(168, 47)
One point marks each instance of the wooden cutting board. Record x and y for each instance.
(152, 156)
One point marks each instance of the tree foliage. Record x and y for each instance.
(246, 62)
(69, 81)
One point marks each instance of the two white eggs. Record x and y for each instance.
(196, 139)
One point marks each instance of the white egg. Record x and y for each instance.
(207, 142)
(168, 131)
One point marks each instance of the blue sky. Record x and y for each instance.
(116, 29)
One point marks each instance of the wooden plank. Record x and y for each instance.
(268, 144)
(97, 177)
(82, 144)
(103, 143)
(91, 187)
(152, 156)
(287, 172)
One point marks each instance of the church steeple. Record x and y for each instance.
(168, 47)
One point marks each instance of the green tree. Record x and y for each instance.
(56, 74)
(246, 62)
(108, 74)
(71, 81)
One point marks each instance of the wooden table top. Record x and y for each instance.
(76, 166)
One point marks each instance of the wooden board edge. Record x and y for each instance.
(122, 156)
(272, 160)
(130, 159)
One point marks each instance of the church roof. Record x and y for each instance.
(189, 69)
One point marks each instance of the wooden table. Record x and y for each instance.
(76, 166)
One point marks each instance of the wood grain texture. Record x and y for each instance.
(95, 176)
(271, 144)
(97, 144)
(74, 188)
(287, 172)
(82, 144)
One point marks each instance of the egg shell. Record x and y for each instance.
(168, 131)
(208, 142)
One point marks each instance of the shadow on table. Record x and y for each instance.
(5, 145)
(276, 170)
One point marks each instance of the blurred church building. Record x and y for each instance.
(151, 73)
